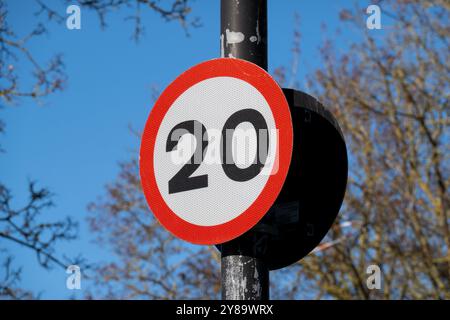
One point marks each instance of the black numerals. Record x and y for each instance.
(182, 180)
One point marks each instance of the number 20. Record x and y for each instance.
(183, 179)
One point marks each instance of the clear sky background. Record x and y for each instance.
(73, 142)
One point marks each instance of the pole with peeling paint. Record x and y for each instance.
(243, 30)
(245, 275)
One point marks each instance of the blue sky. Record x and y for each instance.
(73, 142)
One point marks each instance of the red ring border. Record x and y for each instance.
(267, 86)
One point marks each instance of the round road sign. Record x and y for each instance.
(216, 150)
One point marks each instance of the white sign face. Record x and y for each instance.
(220, 199)
(211, 159)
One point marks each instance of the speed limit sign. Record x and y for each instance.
(216, 150)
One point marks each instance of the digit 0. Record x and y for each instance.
(229, 166)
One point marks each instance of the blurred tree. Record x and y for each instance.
(50, 77)
(14, 50)
(24, 226)
(152, 263)
(172, 10)
(9, 282)
(390, 93)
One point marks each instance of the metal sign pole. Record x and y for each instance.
(245, 275)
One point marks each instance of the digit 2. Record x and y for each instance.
(182, 180)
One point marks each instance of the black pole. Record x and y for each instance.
(245, 275)
(243, 30)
